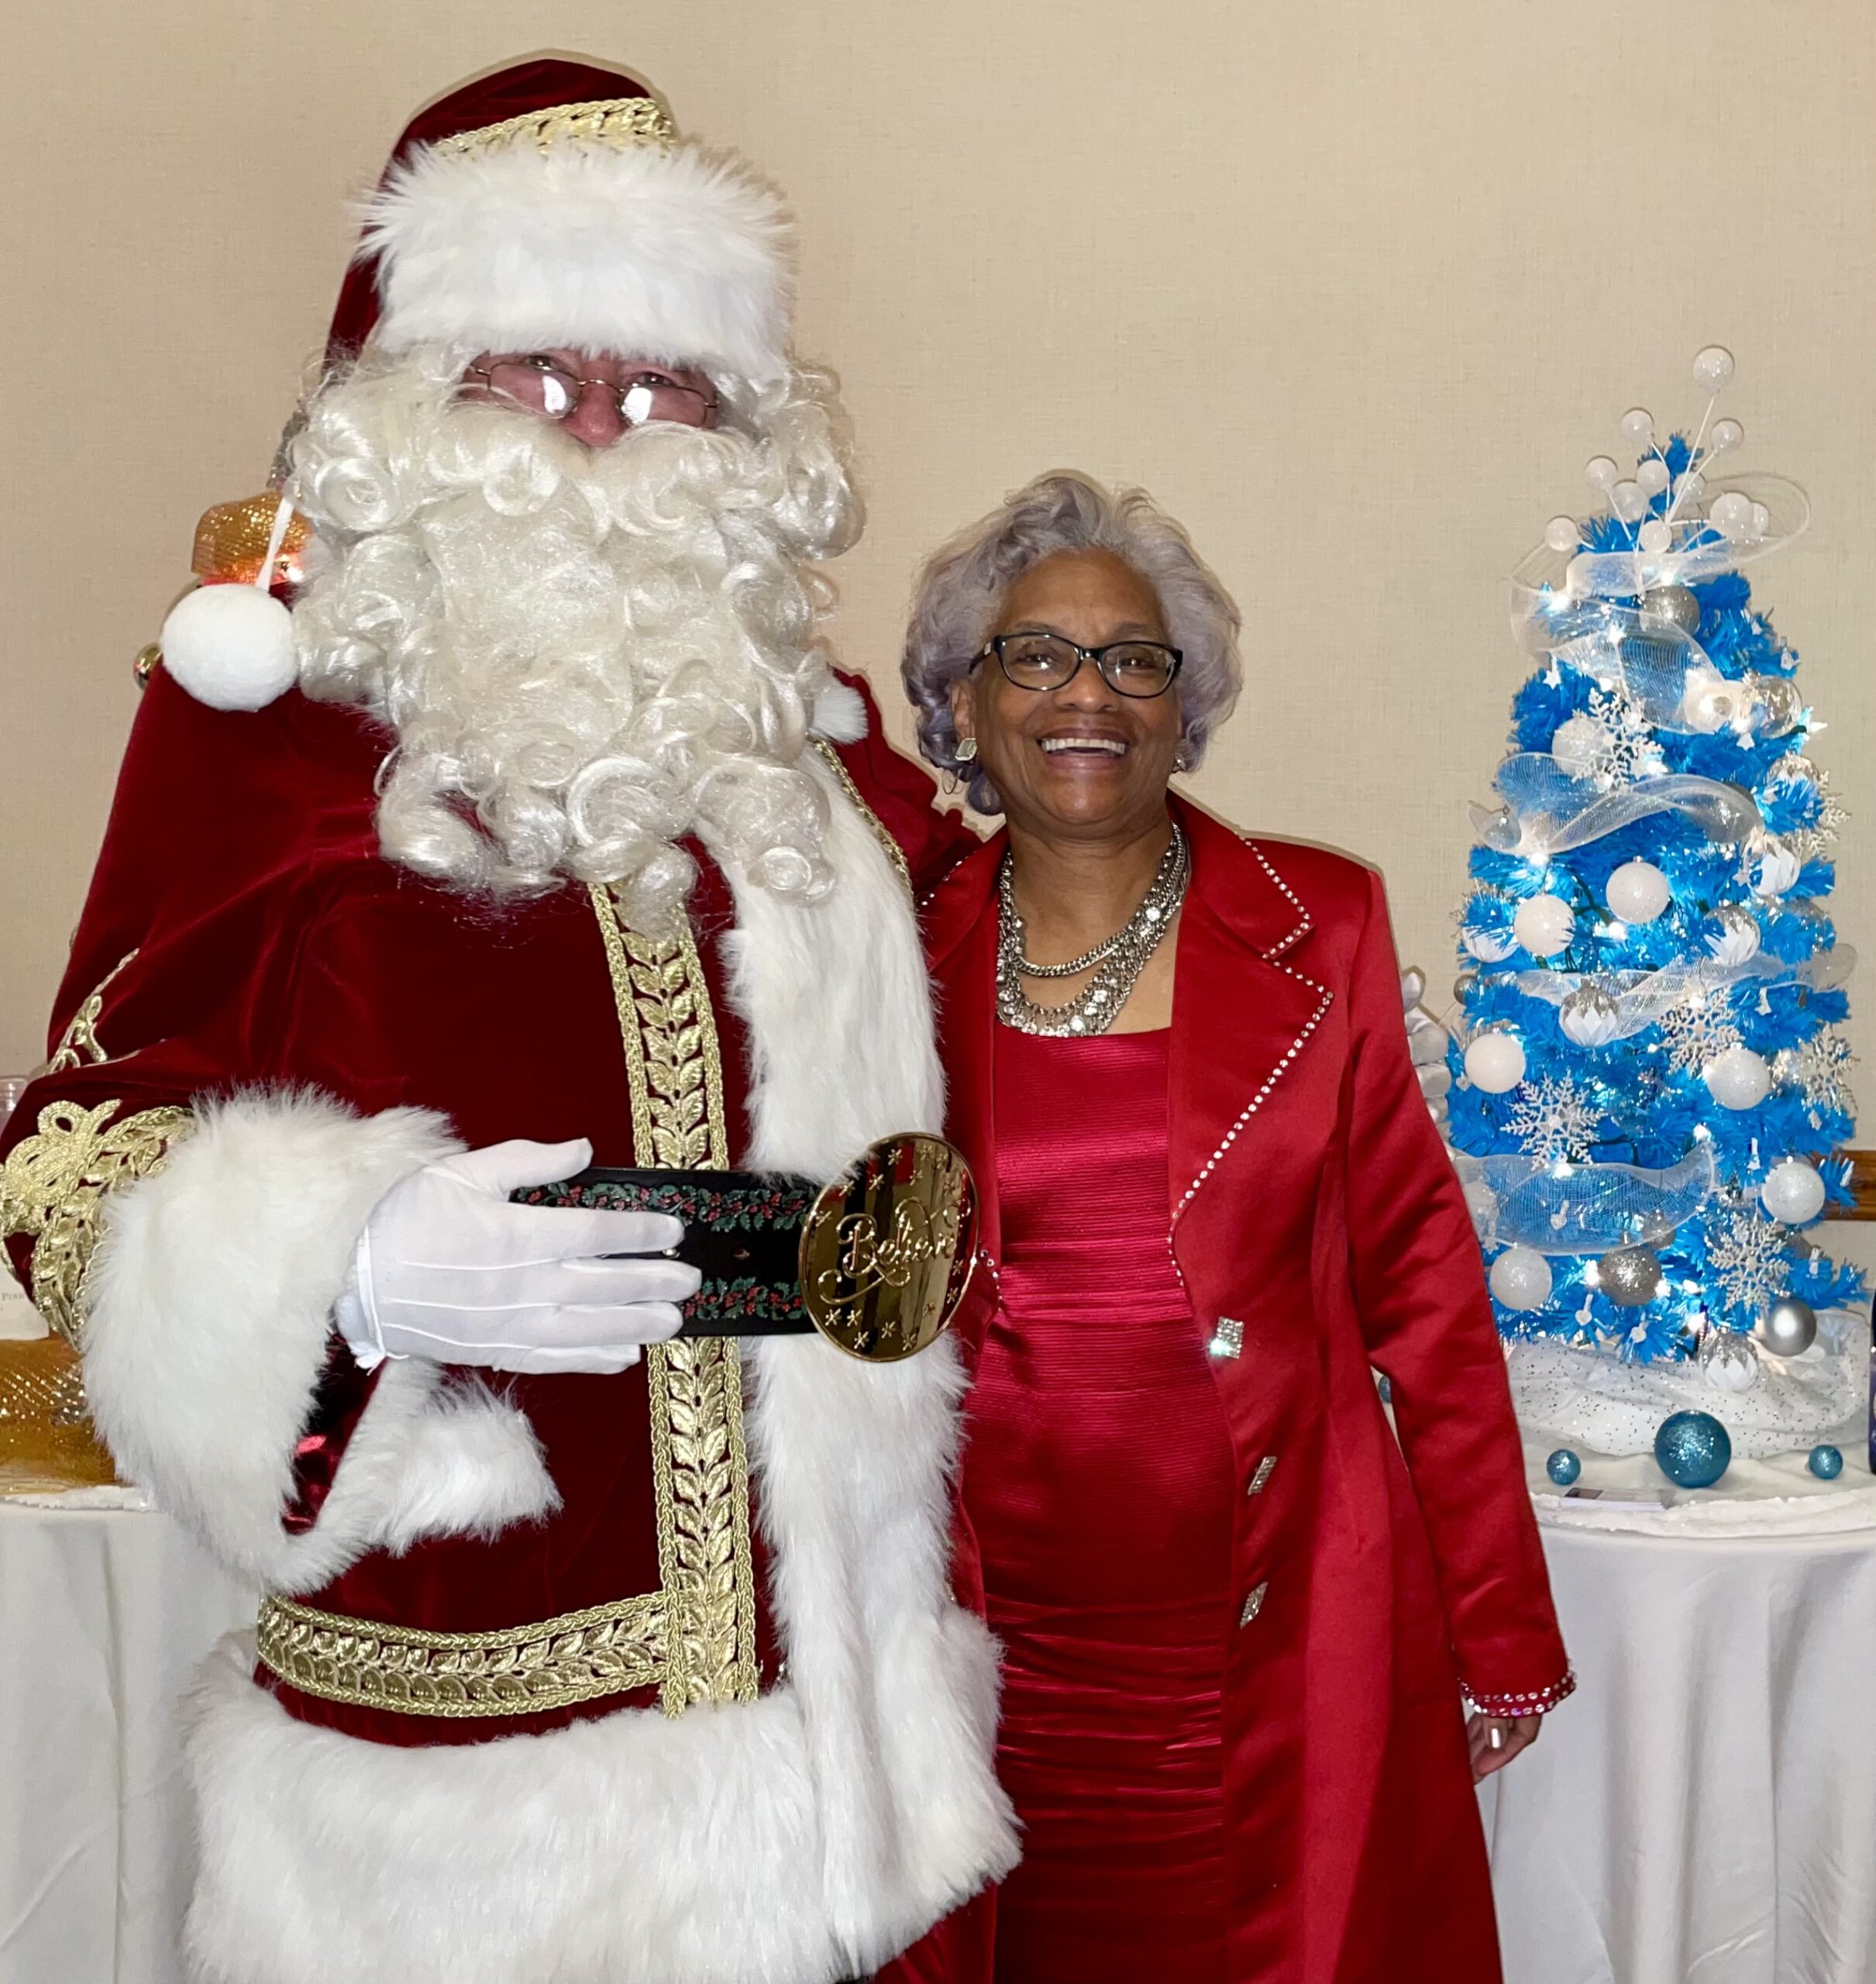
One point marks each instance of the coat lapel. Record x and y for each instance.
(1242, 1014)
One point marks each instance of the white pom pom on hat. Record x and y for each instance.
(231, 647)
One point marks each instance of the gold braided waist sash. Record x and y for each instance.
(518, 1670)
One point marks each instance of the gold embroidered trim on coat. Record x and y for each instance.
(519, 1670)
(78, 1044)
(894, 852)
(700, 1460)
(52, 1188)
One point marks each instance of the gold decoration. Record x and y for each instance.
(894, 852)
(148, 656)
(699, 1458)
(231, 541)
(52, 1188)
(519, 1670)
(887, 1252)
(672, 1063)
(609, 124)
(78, 1043)
(46, 1438)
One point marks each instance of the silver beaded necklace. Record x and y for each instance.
(1121, 957)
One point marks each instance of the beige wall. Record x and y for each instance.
(1353, 287)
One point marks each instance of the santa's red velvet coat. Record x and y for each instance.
(1322, 1236)
(265, 1025)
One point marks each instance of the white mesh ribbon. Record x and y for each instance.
(1642, 998)
(1558, 1208)
(1548, 811)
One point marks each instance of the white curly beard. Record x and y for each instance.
(584, 656)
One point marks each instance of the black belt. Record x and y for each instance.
(877, 1261)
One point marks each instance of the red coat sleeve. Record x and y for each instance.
(902, 795)
(1420, 1293)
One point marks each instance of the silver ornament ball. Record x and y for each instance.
(1630, 1276)
(1675, 605)
(1786, 1326)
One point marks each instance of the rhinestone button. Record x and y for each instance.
(1253, 1605)
(1228, 1338)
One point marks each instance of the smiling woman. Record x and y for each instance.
(1212, 1200)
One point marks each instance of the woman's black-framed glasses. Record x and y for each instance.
(1142, 669)
(541, 384)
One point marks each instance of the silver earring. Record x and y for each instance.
(967, 750)
(1181, 759)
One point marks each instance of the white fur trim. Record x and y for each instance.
(682, 255)
(231, 647)
(212, 1292)
(840, 714)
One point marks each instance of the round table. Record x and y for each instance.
(105, 1612)
(1704, 1808)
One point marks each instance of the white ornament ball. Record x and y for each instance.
(1731, 515)
(1774, 869)
(1627, 501)
(1520, 1279)
(1710, 701)
(1638, 425)
(1793, 1193)
(1638, 892)
(1580, 745)
(1651, 476)
(1544, 926)
(1481, 1202)
(1712, 367)
(1736, 940)
(1726, 436)
(1654, 537)
(1589, 1018)
(1600, 472)
(231, 647)
(1561, 534)
(1737, 1079)
(1495, 1062)
(1490, 946)
(1729, 1362)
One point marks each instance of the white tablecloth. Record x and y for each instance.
(103, 1615)
(1703, 1811)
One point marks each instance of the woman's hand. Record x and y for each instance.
(1495, 1740)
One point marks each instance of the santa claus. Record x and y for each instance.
(541, 831)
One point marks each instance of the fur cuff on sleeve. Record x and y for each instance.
(211, 1293)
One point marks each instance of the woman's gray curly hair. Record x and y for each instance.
(956, 605)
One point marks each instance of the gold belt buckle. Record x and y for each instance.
(887, 1250)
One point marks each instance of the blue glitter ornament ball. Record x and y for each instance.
(1563, 1467)
(1693, 1450)
(1825, 1463)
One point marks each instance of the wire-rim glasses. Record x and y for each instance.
(542, 385)
(1141, 670)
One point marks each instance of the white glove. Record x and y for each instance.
(447, 1269)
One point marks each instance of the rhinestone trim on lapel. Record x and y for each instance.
(1227, 1339)
(1253, 1605)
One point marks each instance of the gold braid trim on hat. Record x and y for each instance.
(609, 124)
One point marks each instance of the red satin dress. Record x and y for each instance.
(1098, 1477)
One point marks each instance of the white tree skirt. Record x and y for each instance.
(1587, 1398)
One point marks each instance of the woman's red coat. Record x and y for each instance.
(1310, 1200)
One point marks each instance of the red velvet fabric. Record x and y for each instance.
(543, 83)
(1098, 1470)
(274, 946)
(1309, 1200)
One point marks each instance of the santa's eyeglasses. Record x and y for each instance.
(540, 384)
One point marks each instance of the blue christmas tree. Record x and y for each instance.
(1648, 1079)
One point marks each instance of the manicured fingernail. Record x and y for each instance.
(1495, 1739)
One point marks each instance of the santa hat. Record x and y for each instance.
(551, 203)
